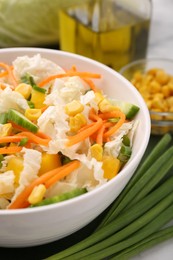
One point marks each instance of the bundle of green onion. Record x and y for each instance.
(136, 220)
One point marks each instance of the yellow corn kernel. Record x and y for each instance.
(166, 91)
(16, 165)
(24, 89)
(77, 122)
(171, 88)
(155, 87)
(37, 98)
(33, 113)
(170, 102)
(157, 104)
(152, 71)
(37, 194)
(147, 79)
(111, 167)
(97, 152)
(106, 106)
(49, 162)
(98, 97)
(162, 77)
(74, 108)
(6, 129)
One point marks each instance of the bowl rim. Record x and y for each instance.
(138, 156)
(143, 61)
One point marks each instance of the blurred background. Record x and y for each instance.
(92, 28)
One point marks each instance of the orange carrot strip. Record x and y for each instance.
(112, 130)
(17, 127)
(91, 84)
(42, 135)
(99, 137)
(84, 134)
(39, 133)
(62, 174)
(8, 139)
(10, 72)
(69, 74)
(110, 114)
(92, 115)
(5, 73)
(21, 200)
(10, 150)
(36, 139)
(85, 127)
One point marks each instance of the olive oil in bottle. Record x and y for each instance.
(108, 31)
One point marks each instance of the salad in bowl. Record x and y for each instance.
(60, 135)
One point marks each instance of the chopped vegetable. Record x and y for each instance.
(65, 196)
(73, 108)
(111, 167)
(10, 150)
(15, 164)
(6, 130)
(28, 79)
(37, 194)
(3, 118)
(49, 162)
(23, 141)
(33, 113)
(21, 120)
(130, 110)
(97, 151)
(77, 122)
(38, 97)
(125, 153)
(24, 90)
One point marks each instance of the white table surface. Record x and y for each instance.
(160, 45)
(161, 31)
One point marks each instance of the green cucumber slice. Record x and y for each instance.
(36, 88)
(130, 110)
(3, 118)
(19, 119)
(65, 196)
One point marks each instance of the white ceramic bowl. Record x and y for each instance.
(36, 226)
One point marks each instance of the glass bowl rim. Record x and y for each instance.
(144, 61)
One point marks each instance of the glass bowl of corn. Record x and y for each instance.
(153, 78)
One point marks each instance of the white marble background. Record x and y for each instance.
(161, 32)
(160, 45)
